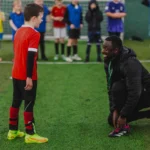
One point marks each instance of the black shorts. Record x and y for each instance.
(19, 93)
(74, 33)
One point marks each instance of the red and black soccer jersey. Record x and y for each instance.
(26, 39)
(58, 12)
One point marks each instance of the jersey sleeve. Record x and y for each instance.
(48, 11)
(107, 7)
(34, 42)
(122, 8)
(10, 16)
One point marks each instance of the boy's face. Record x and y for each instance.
(17, 6)
(37, 20)
(39, 2)
(58, 2)
(116, 1)
(93, 6)
(75, 2)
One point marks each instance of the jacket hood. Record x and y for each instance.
(95, 2)
(126, 53)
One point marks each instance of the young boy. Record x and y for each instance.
(57, 14)
(2, 18)
(16, 18)
(93, 18)
(42, 28)
(115, 11)
(73, 18)
(24, 74)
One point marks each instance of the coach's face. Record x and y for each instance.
(108, 51)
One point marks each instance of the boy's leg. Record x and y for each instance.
(31, 136)
(62, 41)
(14, 110)
(98, 45)
(75, 50)
(88, 48)
(42, 46)
(56, 49)
(69, 44)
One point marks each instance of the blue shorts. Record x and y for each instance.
(94, 37)
(1, 36)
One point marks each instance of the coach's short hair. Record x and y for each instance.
(116, 41)
(32, 10)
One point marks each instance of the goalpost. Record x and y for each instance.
(6, 7)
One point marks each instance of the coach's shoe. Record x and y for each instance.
(68, 59)
(12, 134)
(56, 57)
(35, 138)
(120, 131)
(76, 57)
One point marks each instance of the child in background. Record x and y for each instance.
(57, 14)
(16, 18)
(93, 18)
(24, 73)
(115, 11)
(73, 18)
(42, 28)
(2, 18)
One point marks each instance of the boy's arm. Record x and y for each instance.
(81, 18)
(100, 16)
(32, 50)
(30, 65)
(2, 16)
(66, 17)
(12, 24)
(88, 17)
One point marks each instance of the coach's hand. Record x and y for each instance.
(121, 122)
(29, 84)
(72, 26)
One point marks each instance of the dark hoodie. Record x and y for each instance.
(127, 68)
(94, 17)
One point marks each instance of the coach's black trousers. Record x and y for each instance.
(119, 96)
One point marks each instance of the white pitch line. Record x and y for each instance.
(67, 63)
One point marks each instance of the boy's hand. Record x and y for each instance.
(72, 26)
(56, 18)
(61, 18)
(29, 84)
(81, 25)
(121, 122)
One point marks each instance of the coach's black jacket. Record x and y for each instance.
(127, 68)
(94, 18)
